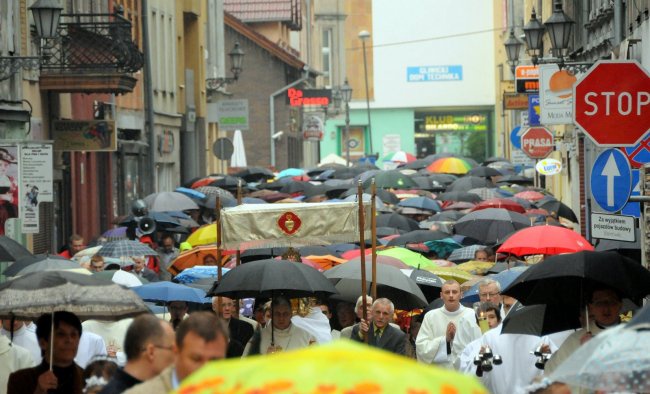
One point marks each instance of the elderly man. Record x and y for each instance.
(65, 376)
(240, 332)
(489, 290)
(200, 338)
(358, 309)
(379, 332)
(167, 252)
(280, 335)
(605, 307)
(447, 330)
(140, 269)
(148, 345)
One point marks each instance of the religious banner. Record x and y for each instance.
(274, 225)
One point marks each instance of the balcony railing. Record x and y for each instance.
(91, 43)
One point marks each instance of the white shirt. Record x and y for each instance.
(112, 332)
(315, 323)
(12, 358)
(90, 345)
(287, 339)
(431, 343)
(25, 338)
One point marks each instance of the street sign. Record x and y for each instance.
(556, 94)
(614, 227)
(549, 167)
(515, 137)
(527, 79)
(533, 110)
(537, 142)
(639, 154)
(634, 208)
(611, 180)
(223, 148)
(612, 103)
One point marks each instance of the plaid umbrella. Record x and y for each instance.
(213, 190)
(464, 254)
(488, 193)
(169, 201)
(31, 295)
(126, 248)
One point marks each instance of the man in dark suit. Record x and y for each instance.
(380, 333)
(240, 331)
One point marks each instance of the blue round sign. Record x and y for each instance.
(515, 138)
(611, 180)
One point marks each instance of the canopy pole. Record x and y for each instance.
(362, 246)
(51, 341)
(239, 199)
(217, 212)
(373, 237)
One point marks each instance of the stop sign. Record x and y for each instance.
(611, 103)
(537, 142)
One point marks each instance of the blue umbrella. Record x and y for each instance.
(190, 192)
(168, 291)
(253, 200)
(421, 203)
(291, 172)
(191, 275)
(442, 247)
(505, 278)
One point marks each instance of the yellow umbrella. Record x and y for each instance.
(335, 368)
(449, 273)
(204, 235)
(476, 267)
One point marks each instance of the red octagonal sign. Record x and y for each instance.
(537, 142)
(611, 103)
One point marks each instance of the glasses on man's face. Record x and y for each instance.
(489, 295)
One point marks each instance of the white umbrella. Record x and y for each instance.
(238, 158)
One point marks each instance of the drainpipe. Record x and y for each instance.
(618, 23)
(148, 98)
(272, 109)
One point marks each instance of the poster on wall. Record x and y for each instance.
(9, 181)
(356, 143)
(35, 183)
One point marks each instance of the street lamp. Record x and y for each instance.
(364, 35)
(513, 45)
(534, 33)
(559, 27)
(346, 95)
(46, 14)
(236, 61)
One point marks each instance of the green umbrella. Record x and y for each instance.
(408, 257)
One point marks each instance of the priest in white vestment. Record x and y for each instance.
(447, 330)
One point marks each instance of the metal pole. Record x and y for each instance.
(347, 133)
(148, 97)
(365, 72)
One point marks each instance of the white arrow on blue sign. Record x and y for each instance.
(611, 180)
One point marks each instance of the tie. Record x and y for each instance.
(377, 334)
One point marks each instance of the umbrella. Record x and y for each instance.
(169, 201)
(266, 278)
(191, 193)
(464, 254)
(379, 205)
(417, 236)
(547, 240)
(400, 157)
(31, 295)
(289, 172)
(391, 284)
(442, 247)
(469, 182)
(384, 195)
(491, 225)
(255, 174)
(398, 221)
(616, 360)
(449, 273)
(123, 278)
(228, 182)
(204, 235)
(446, 216)
(168, 292)
(426, 203)
(39, 262)
(199, 182)
(493, 159)
(417, 164)
(450, 165)
(565, 278)
(163, 220)
(517, 179)
(11, 250)
(429, 283)
(540, 320)
(339, 367)
(126, 248)
(500, 203)
(504, 278)
(192, 257)
(504, 167)
(475, 267)
(408, 257)
(483, 171)
(487, 193)
(115, 234)
(213, 190)
(530, 195)
(459, 196)
(521, 201)
(210, 201)
(391, 180)
(558, 209)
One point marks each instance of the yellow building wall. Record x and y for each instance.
(359, 18)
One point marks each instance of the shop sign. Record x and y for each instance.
(84, 135)
(515, 101)
(306, 97)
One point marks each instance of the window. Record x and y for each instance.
(326, 50)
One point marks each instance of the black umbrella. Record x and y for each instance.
(391, 284)
(255, 174)
(392, 179)
(469, 182)
(41, 262)
(210, 201)
(386, 231)
(483, 171)
(398, 221)
(11, 250)
(163, 220)
(429, 283)
(558, 209)
(446, 216)
(566, 278)
(516, 179)
(459, 196)
(417, 164)
(269, 278)
(490, 226)
(296, 187)
(384, 195)
(417, 236)
(493, 159)
(228, 182)
(541, 320)
(260, 254)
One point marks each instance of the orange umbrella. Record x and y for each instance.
(325, 262)
(199, 255)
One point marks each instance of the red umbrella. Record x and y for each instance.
(547, 240)
(530, 195)
(537, 211)
(500, 203)
(204, 181)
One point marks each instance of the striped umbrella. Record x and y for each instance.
(449, 165)
(400, 157)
